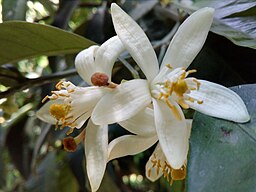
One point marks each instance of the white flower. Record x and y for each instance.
(168, 88)
(71, 105)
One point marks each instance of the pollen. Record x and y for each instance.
(180, 87)
(59, 111)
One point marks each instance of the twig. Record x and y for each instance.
(38, 81)
(134, 72)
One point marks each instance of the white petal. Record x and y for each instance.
(135, 41)
(172, 133)
(123, 102)
(141, 124)
(152, 171)
(96, 152)
(189, 39)
(107, 54)
(219, 101)
(44, 112)
(83, 101)
(85, 64)
(129, 145)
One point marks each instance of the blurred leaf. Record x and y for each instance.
(141, 8)
(14, 9)
(16, 141)
(20, 40)
(53, 174)
(9, 106)
(233, 19)
(222, 153)
(99, 27)
(212, 67)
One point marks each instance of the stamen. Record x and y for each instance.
(183, 104)
(169, 173)
(191, 71)
(169, 66)
(59, 85)
(45, 98)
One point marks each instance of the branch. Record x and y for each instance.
(38, 81)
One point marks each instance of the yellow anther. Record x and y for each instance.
(191, 71)
(59, 111)
(45, 98)
(169, 66)
(200, 102)
(58, 86)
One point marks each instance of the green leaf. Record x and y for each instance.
(233, 19)
(52, 174)
(14, 9)
(222, 153)
(21, 40)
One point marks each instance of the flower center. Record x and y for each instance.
(177, 86)
(169, 173)
(61, 112)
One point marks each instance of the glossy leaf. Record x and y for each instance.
(222, 153)
(20, 40)
(233, 19)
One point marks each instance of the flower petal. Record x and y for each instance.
(96, 151)
(107, 54)
(219, 101)
(189, 39)
(85, 64)
(172, 133)
(123, 102)
(141, 124)
(129, 145)
(153, 172)
(135, 41)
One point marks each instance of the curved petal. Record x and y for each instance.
(129, 145)
(123, 102)
(96, 152)
(135, 41)
(172, 133)
(153, 172)
(141, 124)
(85, 64)
(219, 101)
(189, 39)
(107, 54)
